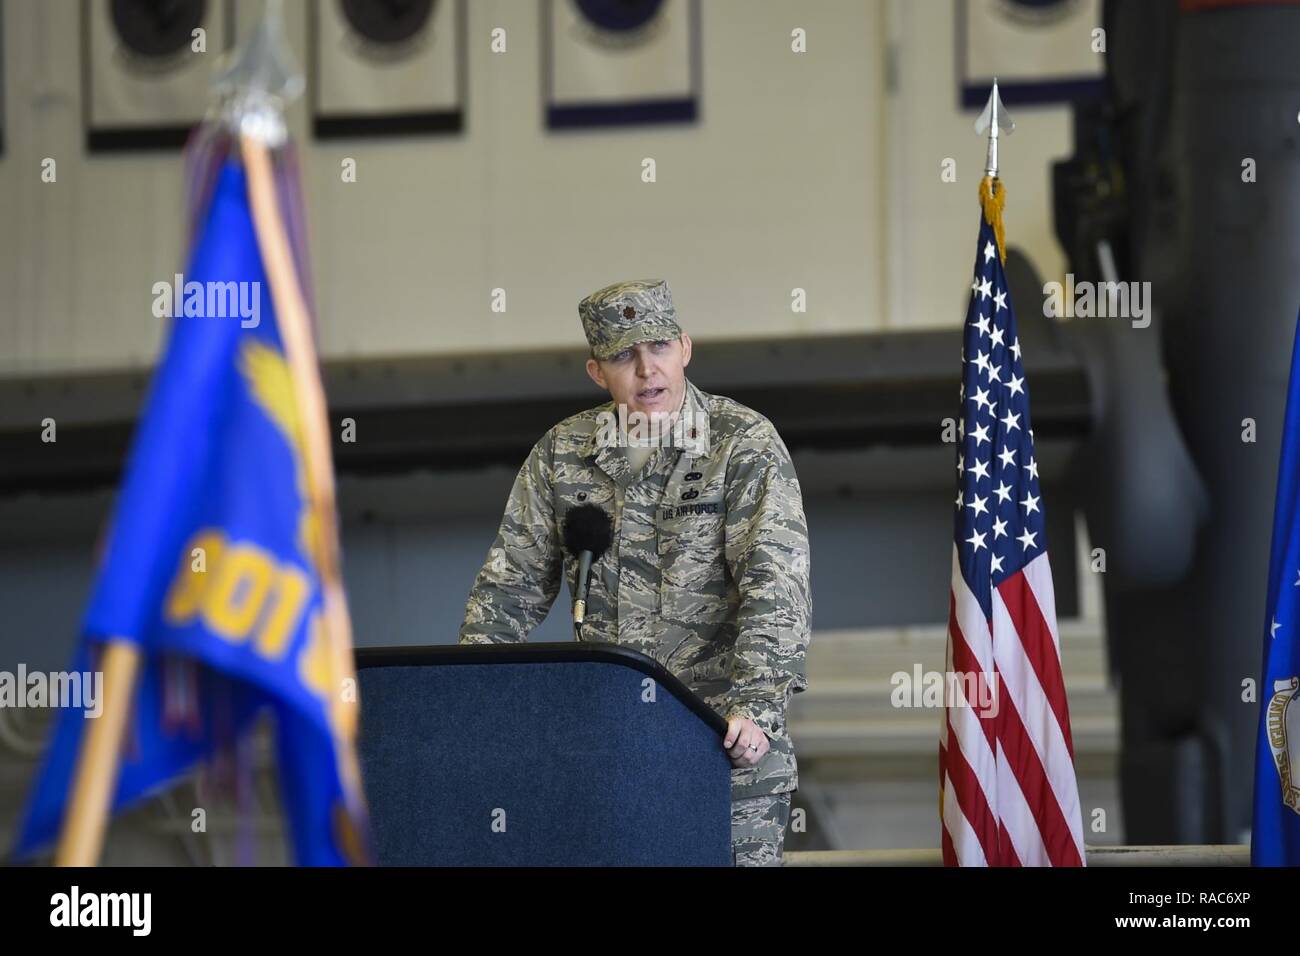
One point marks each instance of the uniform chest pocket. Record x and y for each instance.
(692, 556)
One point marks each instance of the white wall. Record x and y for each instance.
(802, 171)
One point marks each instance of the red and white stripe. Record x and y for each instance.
(1009, 796)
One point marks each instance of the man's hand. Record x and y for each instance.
(744, 742)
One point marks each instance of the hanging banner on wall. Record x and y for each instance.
(1041, 51)
(145, 67)
(391, 68)
(620, 62)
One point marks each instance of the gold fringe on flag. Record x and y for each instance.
(992, 200)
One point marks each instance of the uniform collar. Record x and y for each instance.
(694, 428)
(696, 439)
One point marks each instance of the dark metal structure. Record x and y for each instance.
(1188, 177)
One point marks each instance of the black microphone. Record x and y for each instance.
(588, 532)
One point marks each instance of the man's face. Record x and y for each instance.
(648, 378)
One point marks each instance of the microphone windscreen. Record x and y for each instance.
(587, 528)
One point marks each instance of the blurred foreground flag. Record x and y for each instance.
(1008, 795)
(212, 567)
(1275, 835)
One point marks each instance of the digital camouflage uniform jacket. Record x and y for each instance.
(707, 573)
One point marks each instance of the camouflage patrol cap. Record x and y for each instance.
(625, 313)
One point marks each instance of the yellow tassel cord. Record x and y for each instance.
(992, 202)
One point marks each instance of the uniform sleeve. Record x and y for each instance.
(519, 580)
(767, 552)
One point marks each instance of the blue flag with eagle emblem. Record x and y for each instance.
(1275, 835)
(209, 567)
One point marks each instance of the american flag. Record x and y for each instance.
(1008, 794)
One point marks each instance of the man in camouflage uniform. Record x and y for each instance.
(708, 569)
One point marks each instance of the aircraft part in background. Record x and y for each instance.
(620, 62)
(145, 68)
(391, 68)
(1041, 51)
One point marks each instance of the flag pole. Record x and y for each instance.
(95, 778)
(251, 94)
(296, 336)
(996, 121)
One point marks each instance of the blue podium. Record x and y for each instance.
(564, 754)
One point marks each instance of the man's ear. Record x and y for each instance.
(686, 350)
(597, 376)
